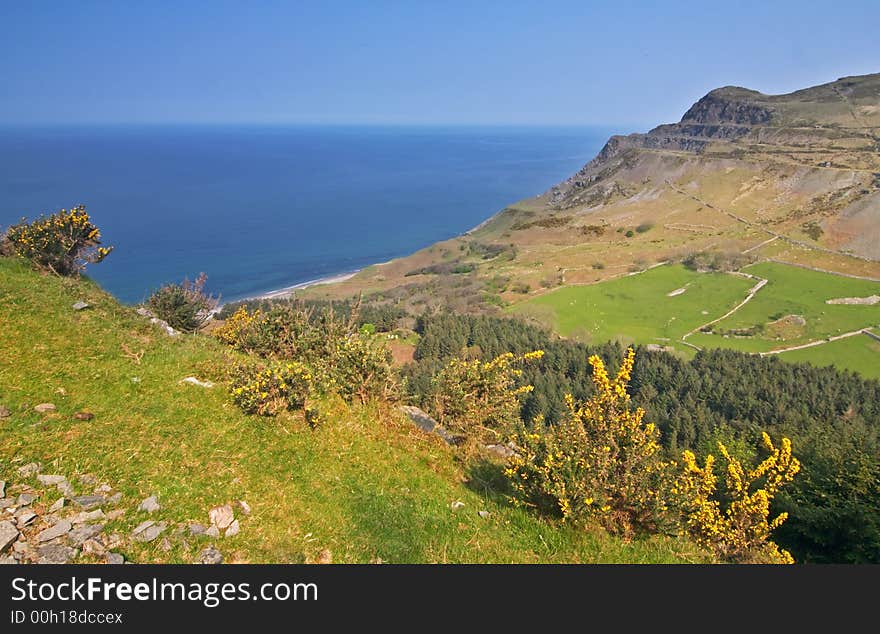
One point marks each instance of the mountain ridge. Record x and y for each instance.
(739, 167)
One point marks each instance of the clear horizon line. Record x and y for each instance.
(303, 123)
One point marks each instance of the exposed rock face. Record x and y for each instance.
(730, 105)
(782, 161)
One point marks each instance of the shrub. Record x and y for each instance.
(267, 390)
(644, 227)
(600, 463)
(480, 398)
(184, 306)
(629, 233)
(352, 364)
(63, 242)
(740, 530)
(362, 367)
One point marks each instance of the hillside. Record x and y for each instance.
(795, 178)
(366, 487)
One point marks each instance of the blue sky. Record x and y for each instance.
(417, 62)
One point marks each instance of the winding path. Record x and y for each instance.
(757, 287)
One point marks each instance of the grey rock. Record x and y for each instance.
(144, 312)
(4, 412)
(57, 505)
(103, 488)
(164, 326)
(84, 416)
(194, 381)
(55, 554)
(65, 489)
(26, 498)
(87, 479)
(142, 527)
(93, 547)
(7, 560)
(50, 480)
(29, 469)
(212, 531)
(505, 451)
(21, 548)
(150, 505)
(456, 505)
(234, 529)
(80, 306)
(113, 540)
(8, 534)
(210, 555)
(196, 529)
(2, 488)
(150, 533)
(89, 502)
(425, 422)
(6, 503)
(87, 516)
(61, 528)
(116, 498)
(165, 544)
(87, 531)
(221, 516)
(45, 408)
(24, 517)
(245, 507)
(484, 514)
(115, 559)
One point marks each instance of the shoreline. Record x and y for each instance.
(286, 291)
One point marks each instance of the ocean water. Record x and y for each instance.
(261, 208)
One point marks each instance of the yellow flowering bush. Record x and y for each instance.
(362, 367)
(234, 330)
(63, 242)
(600, 463)
(351, 364)
(739, 529)
(267, 390)
(480, 398)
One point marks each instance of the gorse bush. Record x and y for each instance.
(362, 367)
(267, 390)
(184, 306)
(601, 462)
(481, 399)
(354, 364)
(63, 242)
(738, 529)
(285, 332)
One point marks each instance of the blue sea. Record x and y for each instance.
(260, 208)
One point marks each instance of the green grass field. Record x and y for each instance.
(795, 291)
(638, 308)
(859, 353)
(366, 486)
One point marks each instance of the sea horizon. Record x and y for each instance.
(261, 208)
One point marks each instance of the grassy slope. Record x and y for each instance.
(637, 307)
(859, 353)
(367, 485)
(796, 291)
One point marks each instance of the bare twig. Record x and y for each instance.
(134, 356)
